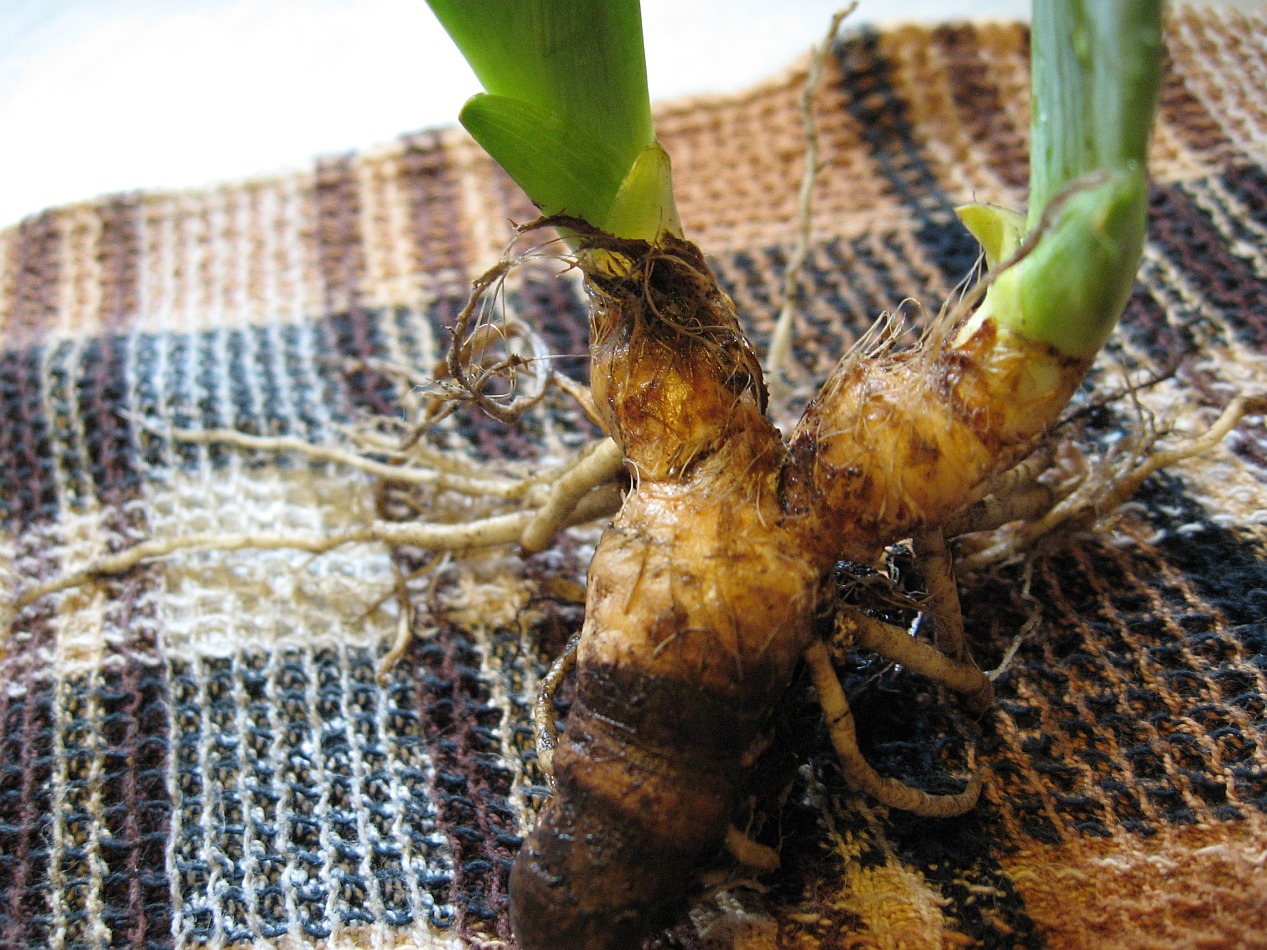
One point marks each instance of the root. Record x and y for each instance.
(858, 630)
(405, 624)
(472, 368)
(858, 772)
(472, 485)
(943, 592)
(600, 502)
(404, 637)
(779, 355)
(1027, 628)
(1081, 499)
(599, 464)
(543, 709)
(1236, 410)
(500, 529)
(582, 396)
(751, 853)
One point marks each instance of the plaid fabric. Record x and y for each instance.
(198, 752)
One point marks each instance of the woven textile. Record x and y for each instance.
(199, 751)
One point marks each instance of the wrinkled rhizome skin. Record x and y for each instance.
(702, 591)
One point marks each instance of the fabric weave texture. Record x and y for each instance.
(199, 752)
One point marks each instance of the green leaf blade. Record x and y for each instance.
(561, 170)
(577, 67)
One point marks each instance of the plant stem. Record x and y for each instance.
(1095, 75)
(1095, 71)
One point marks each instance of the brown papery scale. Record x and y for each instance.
(702, 591)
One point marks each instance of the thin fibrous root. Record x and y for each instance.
(475, 486)
(779, 355)
(404, 636)
(858, 630)
(1095, 496)
(403, 447)
(543, 708)
(600, 463)
(1236, 410)
(858, 772)
(486, 532)
(1027, 628)
(404, 625)
(582, 396)
(468, 341)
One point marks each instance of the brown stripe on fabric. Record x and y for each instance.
(1185, 888)
(349, 331)
(518, 206)
(1128, 714)
(921, 79)
(485, 229)
(8, 274)
(266, 240)
(431, 187)
(979, 102)
(340, 254)
(1183, 111)
(1077, 761)
(1221, 57)
(36, 263)
(355, 339)
(300, 283)
(1185, 235)
(1175, 687)
(135, 804)
(1005, 53)
(460, 723)
(193, 261)
(737, 164)
(79, 279)
(103, 411)
(285, 284)
(392, 277)
(157, 236)
(876, 103)
(27, 752)
(28, 480)
(198, 278)
(120, 260)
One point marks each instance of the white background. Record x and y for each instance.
(109, 95)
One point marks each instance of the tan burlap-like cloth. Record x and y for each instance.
(198, 752)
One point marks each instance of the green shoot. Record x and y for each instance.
(1095, 74)
(565, 109)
